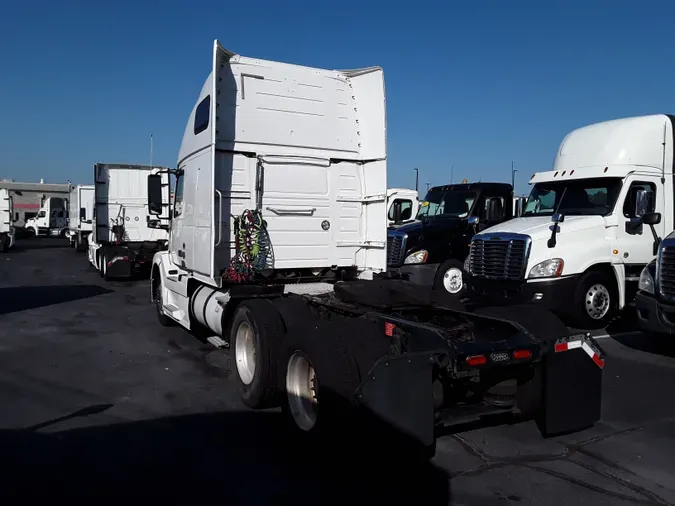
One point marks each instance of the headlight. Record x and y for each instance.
(419, 257)
(467, 264)
(547, 269)
(646, 283)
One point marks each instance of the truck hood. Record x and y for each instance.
(539, 227)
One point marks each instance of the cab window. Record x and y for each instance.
(202, 115)
(178, 197)
(406, 209)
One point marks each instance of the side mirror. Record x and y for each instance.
(558, 218)
(651, 218)
(155, 194)
(473, 220)
(494, 210)
(397, 211)
(644, 202)
(83, 213)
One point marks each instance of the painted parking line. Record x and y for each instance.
(616, 334)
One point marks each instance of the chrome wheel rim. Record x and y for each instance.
(244, 350)
(302, 391)
(452, 280)
(597, 301)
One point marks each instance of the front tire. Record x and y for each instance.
(256, 335)
(595, 301)
(164, 320)
(450, 278)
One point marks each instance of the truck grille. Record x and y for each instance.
(499, 257)
(395, 250)
(667, 271)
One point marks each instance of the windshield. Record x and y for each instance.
(453, 203)
(581, 197)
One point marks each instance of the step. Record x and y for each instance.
(217, 342)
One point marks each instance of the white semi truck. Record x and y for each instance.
(589, 227)
(278, 248)
(7, 235)
(80, 216)
(51, 220)
(125, 236)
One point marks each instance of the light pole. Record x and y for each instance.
(513, 177)
(417, 179)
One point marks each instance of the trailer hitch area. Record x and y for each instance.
(586, 343)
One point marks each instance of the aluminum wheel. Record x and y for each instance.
(302, 391)
(244, 351)
(452, 280)
(597, 301)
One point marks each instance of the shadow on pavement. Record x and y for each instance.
(649, 343)
(239, 457)
(21, 298)
(39, 243)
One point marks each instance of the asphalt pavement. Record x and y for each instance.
(96, 398)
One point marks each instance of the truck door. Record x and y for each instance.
(635, 243)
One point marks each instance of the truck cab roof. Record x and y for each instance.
(474, 186)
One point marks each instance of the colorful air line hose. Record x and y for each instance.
(252, 248)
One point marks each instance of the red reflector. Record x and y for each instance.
(109, 264)
(476, 360)
(560, 347)
(389, 329)
(599, 362)
(521, 354)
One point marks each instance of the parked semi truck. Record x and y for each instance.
(125, 236)
(51, 220)
(7, 234)
(585, 234)
(655, 299)
(278, 249)
(80, 216)
(431, 250)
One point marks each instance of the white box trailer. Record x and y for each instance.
(278, 247)
(7, 235)
(122, 241)
(80, 216)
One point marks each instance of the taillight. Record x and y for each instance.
(475, 360)
(522, 354)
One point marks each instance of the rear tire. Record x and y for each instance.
(256, 334)
(595, 301)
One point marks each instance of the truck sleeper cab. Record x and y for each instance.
(277, 252)
(589, 227)
(432, 249)
(125, 236)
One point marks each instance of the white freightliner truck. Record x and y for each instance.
(125, 236)
(590, 225)
(277, 248)
(51, 220)
(7, 235)
(80, 216)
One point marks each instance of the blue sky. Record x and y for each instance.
(471, 84)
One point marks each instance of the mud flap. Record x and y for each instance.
(572, 387)
(119, 262)
(398, 395)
